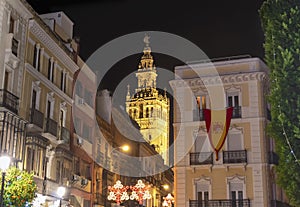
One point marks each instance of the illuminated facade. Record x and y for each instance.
(50, 65)
(149, 107)
(244, 175)
(13, 30)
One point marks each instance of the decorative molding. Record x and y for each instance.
(225, 79)
(42, 35)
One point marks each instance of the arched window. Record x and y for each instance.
(141, 111)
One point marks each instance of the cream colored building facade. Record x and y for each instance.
(50, 64)
(149, 107)
(244, 174)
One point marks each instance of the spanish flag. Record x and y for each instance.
(217, 124)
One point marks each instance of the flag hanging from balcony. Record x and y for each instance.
(217, 124)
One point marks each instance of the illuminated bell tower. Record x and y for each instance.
(149, 107)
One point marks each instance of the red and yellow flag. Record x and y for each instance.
(217, 125)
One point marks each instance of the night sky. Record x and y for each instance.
(219, 28)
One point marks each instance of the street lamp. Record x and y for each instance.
(124, 148)
(4, 164)
(61, 192)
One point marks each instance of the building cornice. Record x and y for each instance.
(46, 40)
(225, 79)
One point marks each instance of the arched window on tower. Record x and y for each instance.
(134, 113)
(147, 112)
(152, 111)
(141, 111)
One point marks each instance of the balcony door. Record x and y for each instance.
(236, 194)
(237, 198)
(202, 198)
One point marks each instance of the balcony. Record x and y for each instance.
(9, 101)
(236, 156)
(237, 112)
(198, 115)
(51, 129)
(275, 203)
(220, 203)
(273, 158)
(36, 120)
(65, 135)
(201, 158)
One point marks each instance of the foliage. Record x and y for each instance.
(281, 23)
(19, 188)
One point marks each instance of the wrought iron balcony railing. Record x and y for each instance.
(198, 115)
(220, 203)
(237, 112)
(37, 118)
(9, 101)
(236, 156)
(51, 126)
(201, 158)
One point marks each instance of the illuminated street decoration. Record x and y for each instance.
(168, 200)
(140, 192)
(118, 192)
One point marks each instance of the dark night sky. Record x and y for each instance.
(219, 28)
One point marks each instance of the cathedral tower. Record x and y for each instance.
(149, 107)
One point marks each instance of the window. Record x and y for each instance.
(50, 69)
(147, 112)
(234, 141)
(199, 105)
(11, 25)
(141, 111)
(88, 97)
(36, 57)
(233, 100)
(203, 186)
(34, 99)
(58, 168)
(86, 132)
(236, 190)
(63, 81)
(78, 88)
(236, 194)
(30, 159)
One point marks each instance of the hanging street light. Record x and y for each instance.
(140, 192)
(61, 192)
(118, 192)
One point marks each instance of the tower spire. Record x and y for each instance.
(147, 62)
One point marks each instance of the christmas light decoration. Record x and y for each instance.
(168, 200)
(140, 192)
(118, 192)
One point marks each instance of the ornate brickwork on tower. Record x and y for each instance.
(148, 106)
